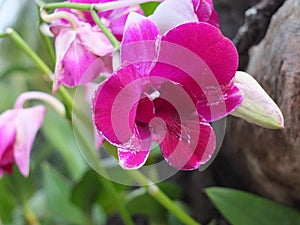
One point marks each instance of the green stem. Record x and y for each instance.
(49, 47)
(67, 99)
(57, 5)
(25, 47)
(46, 39)
(161, 197)
(115, 43)
(2, 35)
(101, 7)
(30, 217)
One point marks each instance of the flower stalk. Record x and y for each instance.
(29, 215)
(161, 197)
(100, 7)
(115, 43)
(57, 105)
(59, 15)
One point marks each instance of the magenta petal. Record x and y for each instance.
(207, 41)
(233, 97)
(205, 12)
(28, 122)
(129, 159)
(77, 66)
(187, 143)
(140, 33)
(115, 105)
(7, 131)
(139, 28)
(134, 153)
(145, 111)
(63, 40)
(7, 160)
(7, 140)
(118, 18)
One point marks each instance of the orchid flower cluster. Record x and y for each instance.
(172, 76)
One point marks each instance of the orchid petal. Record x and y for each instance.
(129, 159)
(7, 131)
(139, 28)
(257, 106)
(134, 153)
(63, 41)
(7, 160)
(140, 33)
(145, 111)
(77, 67)
(115, 105)
(118, 18)
(28, 122)
(7, 140)
(172, 13)
(187, 143)
(205, 12)
(207, 41)
(94, 41)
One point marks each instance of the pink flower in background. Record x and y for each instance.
(82, 53)
(168, 89)
(18, 128)
(115, 19)
(205, 12)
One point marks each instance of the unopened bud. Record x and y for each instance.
(257, 106)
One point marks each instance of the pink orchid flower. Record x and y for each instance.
(205, 12)
(169, 87)
(82, 52)
(18, 128)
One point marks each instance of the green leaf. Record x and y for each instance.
(59, 133)
(111, 149)
(7, 203)
(58, 192)
(86, 191)
(150, 208)
(242, 208)
(91, 191)
(107, 202)
(171, 189)
(149, 7)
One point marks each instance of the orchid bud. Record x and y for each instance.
(257, 106)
